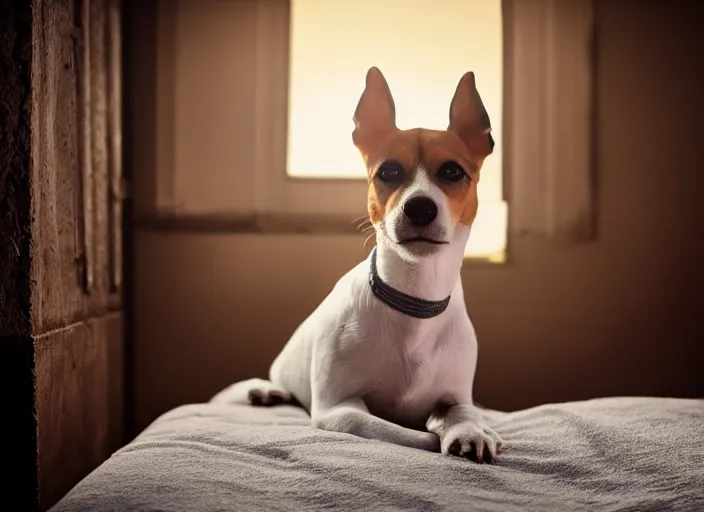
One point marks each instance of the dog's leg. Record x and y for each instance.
(353, 417)
(463, 432)
(254, 392)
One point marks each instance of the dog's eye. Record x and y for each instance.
(390, 172)
(451, 171)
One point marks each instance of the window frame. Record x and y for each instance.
(548, 111)
(275, 191)
(550, 118)
(547, 136)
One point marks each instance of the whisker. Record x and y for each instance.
(365, 225)
(368, 238)
(359, 219)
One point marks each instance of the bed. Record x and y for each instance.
(636, 454)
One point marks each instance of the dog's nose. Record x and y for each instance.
(421, 211)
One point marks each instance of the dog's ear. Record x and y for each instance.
(375, 116)
(469, 119)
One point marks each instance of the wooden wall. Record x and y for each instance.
(61, 320)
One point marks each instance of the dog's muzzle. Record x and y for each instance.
(418, 224)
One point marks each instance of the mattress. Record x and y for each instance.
(625, 453)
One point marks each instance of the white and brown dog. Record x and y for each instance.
(390, 354)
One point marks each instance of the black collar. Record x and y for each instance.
(406, 304)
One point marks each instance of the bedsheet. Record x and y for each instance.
(625, 453)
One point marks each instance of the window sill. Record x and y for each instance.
(498, 259)
(494, 214)
(271, 224)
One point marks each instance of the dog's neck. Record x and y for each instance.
(431, 277)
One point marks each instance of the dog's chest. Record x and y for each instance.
(403, 390)
(404, 366)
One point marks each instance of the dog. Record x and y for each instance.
(390, 354)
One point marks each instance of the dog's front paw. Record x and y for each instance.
(472, 440)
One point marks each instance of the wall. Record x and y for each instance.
(61, 342)
(558, 322)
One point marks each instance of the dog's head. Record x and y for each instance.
(422, 183)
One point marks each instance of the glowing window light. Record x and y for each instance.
(423, 47)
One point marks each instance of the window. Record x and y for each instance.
(423, 48)
(251, 107)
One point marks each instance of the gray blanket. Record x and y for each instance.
(639, 454)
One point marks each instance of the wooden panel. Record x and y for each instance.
(72, 141)
(57, 298)
(99, 150)
(116, 195)
(78, 402)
